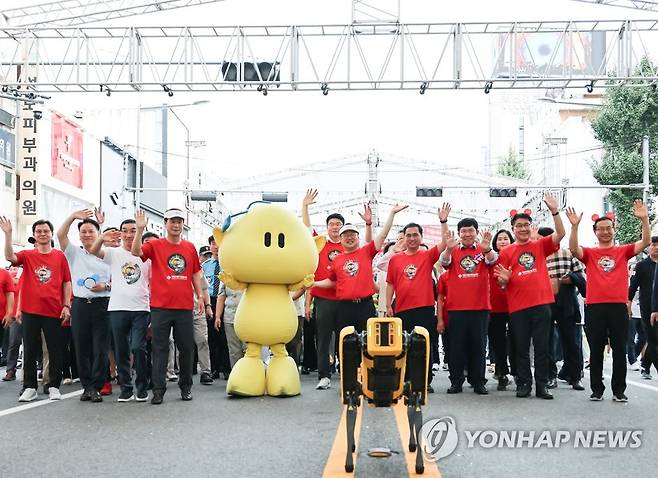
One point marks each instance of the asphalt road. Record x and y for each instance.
(214, 435)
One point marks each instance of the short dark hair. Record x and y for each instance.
(211, 239)
(410, 225)
(520, 215)
(387, 247)
(603, 218)
(89, 221)
(545, 231)
(654, 239)
(467, 222)
(495, 238)
(110, 228)
(335, 216)
(126, 221)
(41, 222)
(149, 234)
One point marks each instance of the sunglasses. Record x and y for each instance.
(228, 220)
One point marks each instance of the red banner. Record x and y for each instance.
(66, 157)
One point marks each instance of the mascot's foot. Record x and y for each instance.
(283, 377)
(247, 378)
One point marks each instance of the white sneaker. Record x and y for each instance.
(28, 395)
(54, 393)
(67, 381)
(633, 366)
(323, 384)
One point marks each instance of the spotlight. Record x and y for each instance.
(170, 93)
(325, 89)
(590, 86)
(262, 89)
(38, 114)
(4, 88)
(487, 87)
(423, 87)
(168, 90)
(108, 92)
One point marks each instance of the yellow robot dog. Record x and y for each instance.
(268, 252)
(384, 364)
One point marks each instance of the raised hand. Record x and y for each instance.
(100, 215)
(399, 207)
(551, 202)
(444, 211)
(140, 219)
(485, 243)
(309, 199)
(111, 236)
(639, 209)
(451, 241)
(5, 224)
(367, 214)
(534, 232)
(573, 217)
(502, 274)
(83, 214)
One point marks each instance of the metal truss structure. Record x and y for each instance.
(359, 56)
(67, 13)
(649, 5)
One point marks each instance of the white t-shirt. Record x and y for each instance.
(130, 280)
(87, 270)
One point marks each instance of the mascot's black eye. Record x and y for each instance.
(268, 239)
(282, 240)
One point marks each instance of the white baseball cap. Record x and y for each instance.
(174, 212)
(348, 227)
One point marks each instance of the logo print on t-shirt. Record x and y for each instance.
(468, 263)
(131, 272)
(351, 267)
(527, 260)
(88, 282)
(43, 274)
(410, 271)
(332, 255)
(177, 263)
(607, 264)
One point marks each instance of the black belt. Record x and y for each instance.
(90, 300)
(357, 301)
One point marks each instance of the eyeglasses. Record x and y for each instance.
(227, 221)
(523, 225)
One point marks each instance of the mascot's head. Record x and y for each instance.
(268, 245)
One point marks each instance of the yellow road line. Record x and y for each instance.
(335, 466)
(431, 468)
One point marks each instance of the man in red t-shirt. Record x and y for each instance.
(351, 274)
(46, 298)
(522, 270)
(606, 313)
(175, 275)
(324, 299)
(467, 264)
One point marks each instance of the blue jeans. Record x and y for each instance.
(636, 339)
(129, 332)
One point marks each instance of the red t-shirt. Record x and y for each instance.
(411, 278)
(42, 280)
(172, 267)
(607, 273)
(497, 296)
(17, 288)
(468, 280)
(326, 258)
(352, 272)
(442, 289)
(529, 285)
(6, 285)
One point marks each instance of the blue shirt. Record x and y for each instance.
(209, 273)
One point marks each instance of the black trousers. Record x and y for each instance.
(424, 317)
(162, 321)
(603, 322)
(566, 328)
(355, 313)
(310, 336)
(217, 344)
(51, 327)
(90, 326)
(651, 352)
(468, 336)
(70, 369)
(533, 323)
(500, 341)
(328, 324)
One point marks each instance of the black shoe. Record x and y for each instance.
(455, 389)
(306, 371)
(86, 396)
(96, 396)
(214, 375)
(503, 382)
(206, 379)
(157, 398)
(596, 397)
(480, 389)
(619, 397)
(552, 383)
(186, 395)
(430, 389)
(577, 385)
(523, 391)
(542, 392)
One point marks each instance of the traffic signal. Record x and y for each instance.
(502, 192)
(426, 192)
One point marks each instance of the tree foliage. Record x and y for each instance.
(629, 112)
(511, 165)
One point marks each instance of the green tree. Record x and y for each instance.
(511, 165)
(629, 112)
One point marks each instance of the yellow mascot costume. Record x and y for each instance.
(268, 252)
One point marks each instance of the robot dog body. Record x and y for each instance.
(384, 364)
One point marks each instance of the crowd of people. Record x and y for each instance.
(142, 310)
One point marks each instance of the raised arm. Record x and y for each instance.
(63, 231)
(574, 219)
(140, 221)
(309, 199)
(96, 248)
(381, 237)
(5, 225)
(551, 203)
(640, 211)
(367, 219)
(444, 213)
